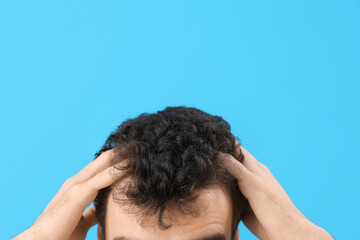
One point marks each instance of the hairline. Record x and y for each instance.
(211, 185)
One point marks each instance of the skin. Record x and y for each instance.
(272, 214)
(215, 218)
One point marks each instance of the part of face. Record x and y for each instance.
(216, 217)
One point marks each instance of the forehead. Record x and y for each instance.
(215, 209)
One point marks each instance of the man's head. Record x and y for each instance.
(176, 187)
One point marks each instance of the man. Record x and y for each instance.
(177, 174)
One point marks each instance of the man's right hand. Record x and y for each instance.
(64, 217)
(272, 215)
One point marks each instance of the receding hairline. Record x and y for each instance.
(194, 208)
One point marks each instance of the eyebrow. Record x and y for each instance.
(218, 236)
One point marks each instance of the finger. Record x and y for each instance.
(235, 168)
(89, 218)
(107, 176)
(68, 211)
(249, 161)
(99, 164)
(248, 182)
(90, 188)
(253, 224)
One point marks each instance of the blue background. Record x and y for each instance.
(284, 74)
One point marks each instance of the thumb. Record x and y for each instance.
(253, 224)
(89, 218)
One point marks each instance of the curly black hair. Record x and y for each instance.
(172, 153)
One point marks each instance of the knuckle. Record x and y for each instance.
(90, 186)
(75, 194)
(85, 188)
(70, 181)
(266, 169)
(261, 185)
(74, 190)
(262, 166)
(84, 171)
(225, 156)
(77, 190)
